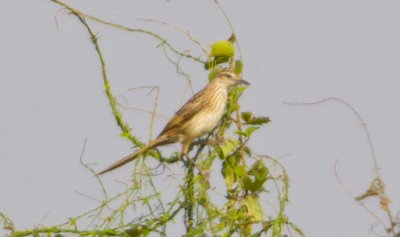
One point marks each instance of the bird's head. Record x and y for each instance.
(229, 79)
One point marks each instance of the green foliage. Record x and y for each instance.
(255, 178)
(228, 147)
(253, 208)
(221, 52)
(250, 119)
(222, 48)
(248, 131)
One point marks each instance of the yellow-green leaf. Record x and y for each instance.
(238, 66)
(250, 130)
(228, 147)
(229, 177)
(240, 170)
(222, 48)
(254, 209)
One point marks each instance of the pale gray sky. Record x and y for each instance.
(298, 51)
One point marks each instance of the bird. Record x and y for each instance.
(197, 117)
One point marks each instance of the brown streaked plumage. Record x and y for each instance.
(197, 117)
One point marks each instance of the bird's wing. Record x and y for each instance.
(187, 111)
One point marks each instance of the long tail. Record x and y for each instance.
(161, 140)
(124, 160)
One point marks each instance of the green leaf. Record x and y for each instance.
(240, 170)
(253, 185)
(221, 52)
(228, 147)
(236, 93)
(250, 119)
(232, 108)
(217, 60)
(247, 116)
(208, 64)
(229, 170)
(222, 48)
(257, 175)
(250, 130)
(229, 177)
(259, 170)
(259, 120)
(247, 184)
(238, 66)
(213, 73)
(254, 209)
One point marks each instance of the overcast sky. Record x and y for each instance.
(294, 51)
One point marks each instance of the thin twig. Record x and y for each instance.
(125, 28)
(180, 71)
(154, 111)
(186, 33)
(230, 26)
(354, 197)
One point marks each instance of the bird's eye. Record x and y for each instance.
(229, 76)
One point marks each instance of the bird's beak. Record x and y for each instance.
(243, 82)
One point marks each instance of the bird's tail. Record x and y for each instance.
(161, 140)
(124, 160)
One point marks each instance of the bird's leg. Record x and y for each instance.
(185, 157)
